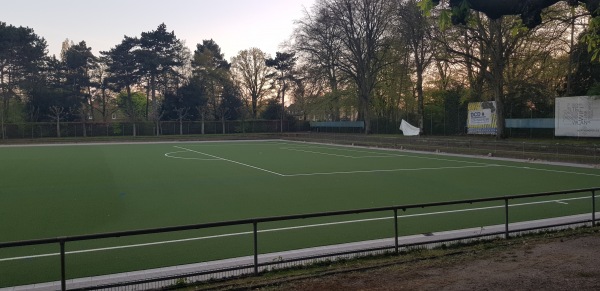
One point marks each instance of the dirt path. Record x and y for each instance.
(562, 264)
(563, 261)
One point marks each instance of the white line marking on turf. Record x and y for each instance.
(552, 171)
(396, 155)
(231, 161)
(336, 155)
(391, 170)
(170, 155)
(429, 158)
(288, 228)
(126, 246)
(332, 173)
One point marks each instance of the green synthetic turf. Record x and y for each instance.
(51, 191)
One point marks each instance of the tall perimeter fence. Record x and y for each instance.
(257, 267)
(36, 130)
(557, 150)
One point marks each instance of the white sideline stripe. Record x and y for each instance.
(336, 155)
(169, 155)
(231, 161)
(288, 228)
(396, 155)
(391, 170)
(344, 149)
(552, 171)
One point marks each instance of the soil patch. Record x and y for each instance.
(560, 261)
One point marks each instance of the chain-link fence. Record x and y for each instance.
(114, 129)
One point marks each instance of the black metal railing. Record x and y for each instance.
(62, 241)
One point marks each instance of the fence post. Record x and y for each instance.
(506, 235)
(396, 230)
(63, 279)
(255, 224)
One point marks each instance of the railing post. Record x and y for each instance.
(396, 230)
(506, 234)
(255, 224)
(63, 277)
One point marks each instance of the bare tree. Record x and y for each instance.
(485, 47)
(250, 68)
(318, 42)
(57, 113)
(363, 26)
(182, 113)
(415, 29)
(306, 88)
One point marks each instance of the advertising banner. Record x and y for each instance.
(482, 118)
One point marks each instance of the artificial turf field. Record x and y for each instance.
(65, 190)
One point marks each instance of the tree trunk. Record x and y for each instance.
(148, 101)
(336, 97)
(254, 107)
(4, 113)
(498, 74)
(202, 114)
(282, 105)
(2, 119)
(57, 125)
(2, 123)
(364, 108)
(155, 106)
(420, 98)
(2, 104)
(84, 129)
(84, 119)
(180, 126)
(131, 110)
(223, 122)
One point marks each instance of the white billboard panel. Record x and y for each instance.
(577, 116)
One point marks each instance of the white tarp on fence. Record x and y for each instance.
(408, 129)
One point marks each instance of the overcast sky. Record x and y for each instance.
(234, 24)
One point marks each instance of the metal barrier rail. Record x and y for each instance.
(255, 221)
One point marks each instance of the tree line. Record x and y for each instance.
(379, 61)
